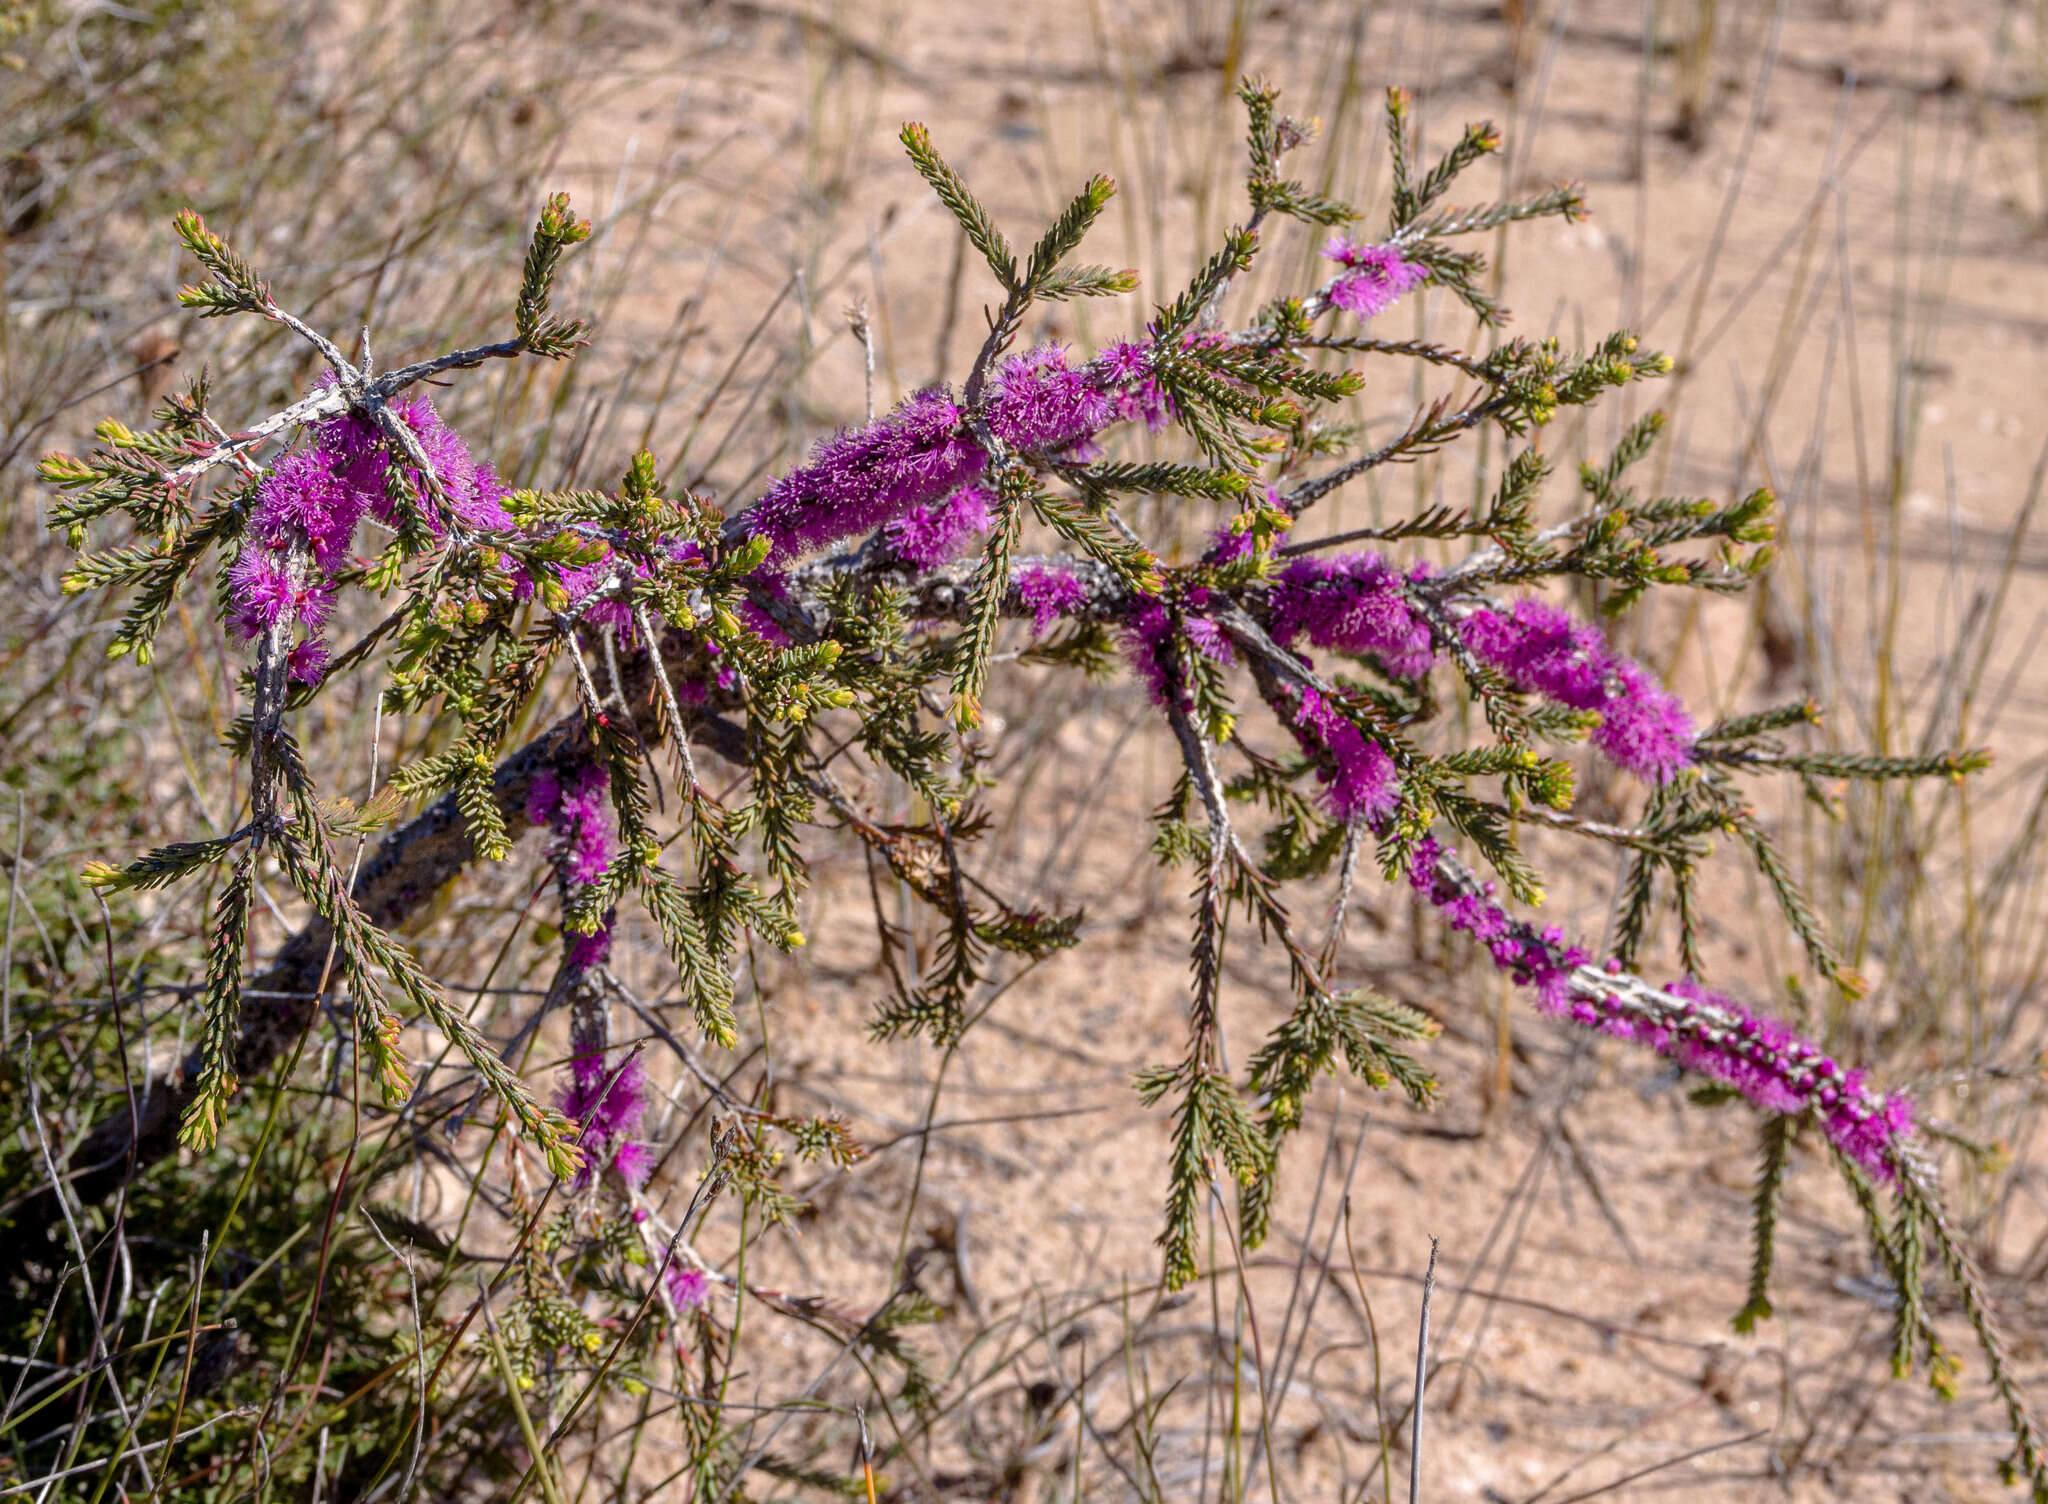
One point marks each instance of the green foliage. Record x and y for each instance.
(1776, 1136)
(1046, 277)
(991, 578)
(234, 288)
(979, 225)
(539, 330)
(220, 1011)
(1270, 136)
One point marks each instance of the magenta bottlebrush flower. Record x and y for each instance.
(1229, 544)
(860, 478)
(307, 663)
(1206, 637)
(934, 533)
(470, 489)
(576, 808)
(1643, 727)
(895, 470)
(1540, 648)
(1352, 603)
(1123, 363)
(883, 471)
(1038, 401)
(262, 590)
(606, 1102)
(314, 493)
(633, 1162)
(585, 580)
(317, 495)
(687, 1286)
(1374, 276)
(588, 952)
(1358, 776)
(1124, 372)
(1149, 637)
(1764, 1060)
(1048, 594)
(607, 1106)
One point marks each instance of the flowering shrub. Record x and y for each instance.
(858, 604)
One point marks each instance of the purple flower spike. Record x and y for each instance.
(864, 477)
(1360, 781)
(688, 1287)
(606, 1102)
(588, 952)
(317, 495)
(1048, 594)
(261, 587)
(634, 1163)
(1643, 727)
(1353, 603)
(934, 533)
(899, 468)
(576, 806)
(1228, 545)
(1545, 650)
(1761, 1058)
(1124, 372)
(1374, 278)
(307, 663)
(1149, 637)
(1038, 401)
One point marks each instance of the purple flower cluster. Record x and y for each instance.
(1048, 593)
(1540, 960)
(1764, 1060)
(1374, 276)
(1643, 727)
(921, 453)
(1124, 370)
(861, 478)
(574, 805)
(1228, 545)
(688, 1288)
(317, 495)
(1358, 776)
(608, 1106)
(1353, 603)
(937, 532)
(1039, 402)
(606, 1102)
(1149, 637)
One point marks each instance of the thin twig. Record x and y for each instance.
(1421, 1374)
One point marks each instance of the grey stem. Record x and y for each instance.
(1421, 1373)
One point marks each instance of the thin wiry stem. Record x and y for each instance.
(1421, 1378)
